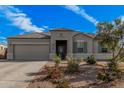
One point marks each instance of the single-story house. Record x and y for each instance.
(65, 42)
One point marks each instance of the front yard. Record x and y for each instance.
(85, 78)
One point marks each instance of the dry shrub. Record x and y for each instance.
(73, 65)
(112, 73)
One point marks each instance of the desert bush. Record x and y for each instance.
(56, 76)
(53, 73)
(47, 70)
(113, 72)
(91, 60)
(57, 60)
(73, 66)
(109, 76)
(113, 67)
(104, 76)
(63, 84)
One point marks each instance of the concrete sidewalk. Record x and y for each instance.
(16, 74)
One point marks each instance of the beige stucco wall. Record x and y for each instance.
(85, 39)
(70, 36)
(61, 35)
(10, 51)
(98, 56)
(29, 41)
(89, 46)
(92, 49)
(101, 56)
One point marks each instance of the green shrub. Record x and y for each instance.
(91, 60)
(73, 66)
(114, 68)
(104, 76)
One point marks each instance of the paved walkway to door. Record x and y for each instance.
(17, 74)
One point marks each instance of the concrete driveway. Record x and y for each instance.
(17, 74)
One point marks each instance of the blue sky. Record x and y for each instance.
(23, 19)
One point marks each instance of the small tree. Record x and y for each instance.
(110, 35)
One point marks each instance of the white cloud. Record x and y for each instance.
(45, 27)
(19, 19)
(3, 38)
(80, 11)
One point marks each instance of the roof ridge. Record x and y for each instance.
(44, 33)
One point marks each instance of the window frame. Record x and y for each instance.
(81, 44)
(101, 49)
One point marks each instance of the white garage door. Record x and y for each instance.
(31, 52)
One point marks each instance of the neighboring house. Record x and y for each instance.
(44, 46)
(3, 51)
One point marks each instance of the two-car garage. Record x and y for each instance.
(31, 52)
(33, 46)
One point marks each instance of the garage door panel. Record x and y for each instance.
(32, 52)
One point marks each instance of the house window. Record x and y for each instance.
(103, 49)
(80, 47)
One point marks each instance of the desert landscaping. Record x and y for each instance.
(88, 72)
(86, 77)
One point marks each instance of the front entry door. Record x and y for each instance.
(61, 51)
(61, 48)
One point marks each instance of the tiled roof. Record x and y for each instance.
(65, 29)
(90, 35)
(32, 35)
(48, 34)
